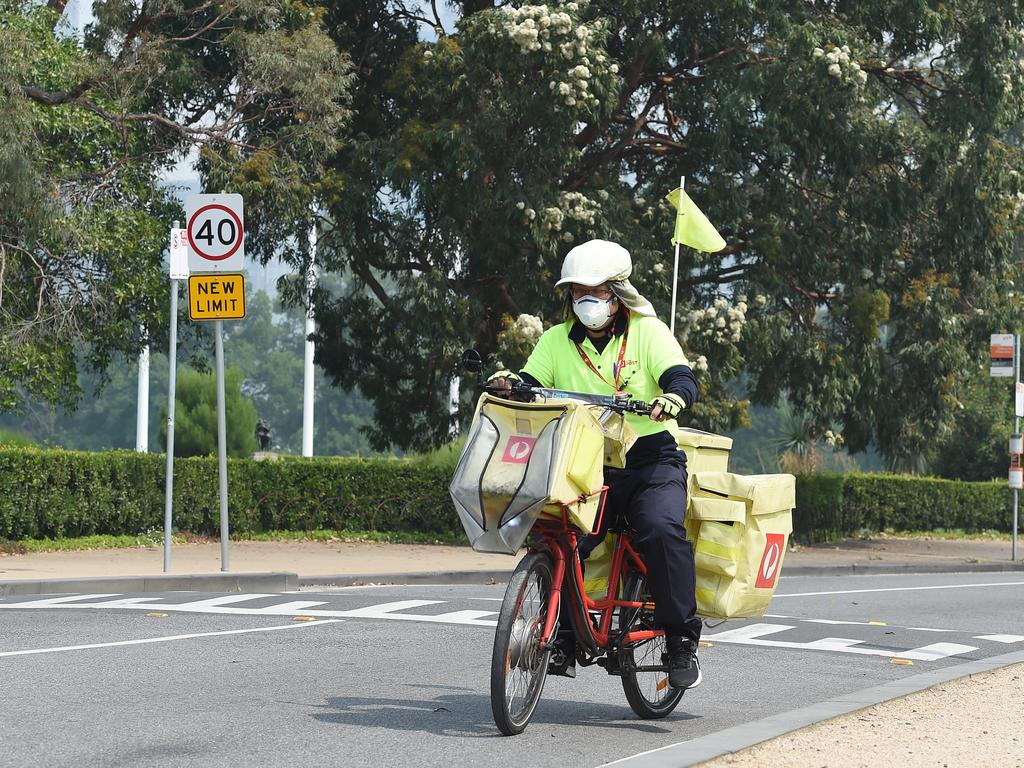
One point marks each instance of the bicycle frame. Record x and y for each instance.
(560, 539)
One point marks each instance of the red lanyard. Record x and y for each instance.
(617, 368)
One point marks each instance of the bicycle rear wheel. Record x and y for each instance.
(518, 666)
(644, 665)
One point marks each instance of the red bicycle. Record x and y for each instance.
(616, 632)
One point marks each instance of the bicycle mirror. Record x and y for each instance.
(471, 361)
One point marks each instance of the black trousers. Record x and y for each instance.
(652, 498)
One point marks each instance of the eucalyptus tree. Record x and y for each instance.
(851, 153)
(88, 125)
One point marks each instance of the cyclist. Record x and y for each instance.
(611, 341)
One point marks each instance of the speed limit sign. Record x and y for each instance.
(215, 228)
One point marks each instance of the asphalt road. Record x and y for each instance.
(398, 676)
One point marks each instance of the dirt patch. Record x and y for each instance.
(973, 721)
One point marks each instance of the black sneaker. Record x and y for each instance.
(683, 667)
(563, 657)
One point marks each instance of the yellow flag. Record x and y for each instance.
(692, 226)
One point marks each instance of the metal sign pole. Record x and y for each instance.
(172, 366)
(1016, 429)
(222, 446)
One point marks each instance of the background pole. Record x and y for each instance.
(142, 402)
(172, 365)
(1016, 429)
(307, 368)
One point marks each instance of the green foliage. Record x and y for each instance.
(53, 494)
(11, 438)
(195, 415)
(88, 130)
(853, 155)
(976, 448)
(268, 351)
(47, 494)
(836, 506)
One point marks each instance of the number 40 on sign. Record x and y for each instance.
(215, 231)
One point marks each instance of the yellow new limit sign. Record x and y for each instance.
(216, 297)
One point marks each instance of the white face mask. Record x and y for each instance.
(593, 312)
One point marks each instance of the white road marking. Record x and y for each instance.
(936, 651)
(903, 589)
(457, 617)
(34, 651)
(59, 601)
(380, 610)
(752, 634)
(927, 629)
(1001, 638)
(224, 600)
(125, 602)
(292, 608)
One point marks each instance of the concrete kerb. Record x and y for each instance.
(497, 577)
(868, 569)
(740, 737)
(287, 582)
(197, 582)
(431, 577)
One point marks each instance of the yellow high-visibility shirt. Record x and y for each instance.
(651, 349)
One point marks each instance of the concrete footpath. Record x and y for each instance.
(259, 565)
(981, 707)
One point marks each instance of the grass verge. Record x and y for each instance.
(156, 539)
(946, 533)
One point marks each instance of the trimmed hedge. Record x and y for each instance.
(836, 506)
(47, 493)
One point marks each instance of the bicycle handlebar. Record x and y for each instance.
(619, 403)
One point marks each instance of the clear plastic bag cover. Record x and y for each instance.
(465, 487)
(498, 493)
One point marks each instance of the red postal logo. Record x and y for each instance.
(518, 449)
(770, 561)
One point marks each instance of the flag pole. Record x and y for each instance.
(675, 266)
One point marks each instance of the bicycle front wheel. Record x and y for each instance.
(645, 665)
(518, 666)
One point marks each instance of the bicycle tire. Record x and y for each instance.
(516, 656)
(649, 694)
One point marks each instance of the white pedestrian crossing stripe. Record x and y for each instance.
(756, 634)
(227, 604)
